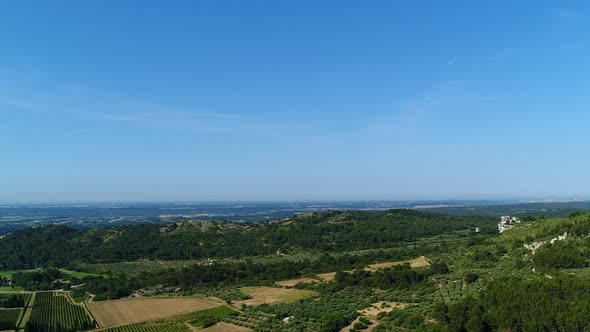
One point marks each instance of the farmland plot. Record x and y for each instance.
(54, 311)
(127, 311)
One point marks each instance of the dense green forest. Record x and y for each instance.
(332, 231)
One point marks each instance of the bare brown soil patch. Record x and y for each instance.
(293, 282)
(271, 295)
(226, 327)
(127, 311)
(327, 276)
(416, 262)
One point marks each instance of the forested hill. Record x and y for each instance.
(325, 231)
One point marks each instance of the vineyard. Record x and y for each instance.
(9, 318)
(54, 312)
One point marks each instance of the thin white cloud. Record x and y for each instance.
(503, 54)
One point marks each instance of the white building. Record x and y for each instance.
(507, 222)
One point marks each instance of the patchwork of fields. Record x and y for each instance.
(55, 310)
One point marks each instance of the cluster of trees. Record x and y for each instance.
(559, 304)
(46, 279)
(12, 301)
(112, 288)
(335, 309)
(561, 255)
(400, 276)
(326, 231)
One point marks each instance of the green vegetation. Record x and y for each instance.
(39, 279)
(14, 300)
(9, 319)
(209, 317)
(11, 288)
(54, 312)
(332, 231)
(78, 274)
(8, 274)
(533, 277)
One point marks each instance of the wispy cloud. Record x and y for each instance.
(80, 104)
(411, 118)
(504, 53)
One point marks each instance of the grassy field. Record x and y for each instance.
(271, 295)
(10, 273)
(11, 289)
(416, 262)
(77, 274)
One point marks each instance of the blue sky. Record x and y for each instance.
(250, 100)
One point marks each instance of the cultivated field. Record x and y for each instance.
(416, 262)
(293, 282)
(327, 276)
(180, 323)
(127, 311)
(271, 295)
(54, 311)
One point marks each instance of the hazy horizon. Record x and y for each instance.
(472, 200)
(225, 100)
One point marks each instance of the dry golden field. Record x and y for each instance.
(127, 311)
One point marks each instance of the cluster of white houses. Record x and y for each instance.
(507, 222)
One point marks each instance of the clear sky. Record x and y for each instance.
(223, 100)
